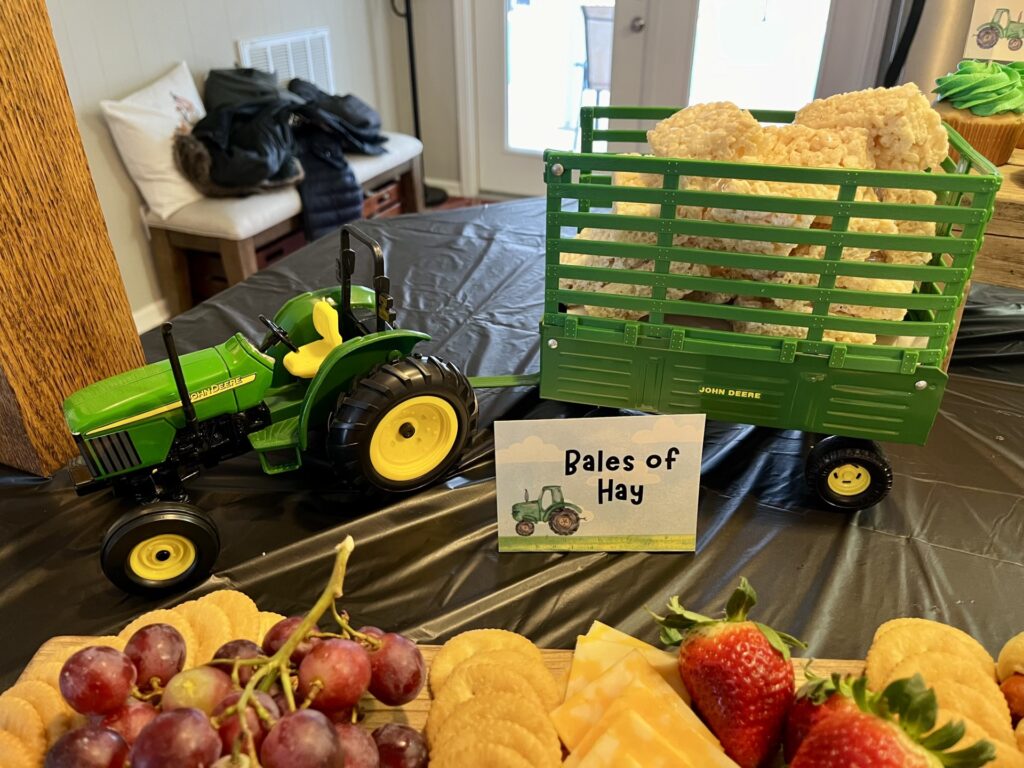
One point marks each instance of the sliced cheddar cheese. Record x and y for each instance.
(580, 711)
(629, 737)
(665, 719)
(594, 655)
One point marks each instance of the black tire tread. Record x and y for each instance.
(834, 451)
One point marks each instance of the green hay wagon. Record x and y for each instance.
(683, 355)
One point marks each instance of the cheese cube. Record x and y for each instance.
(629, 737)
(575, 716)
(667, 721)
(594, 655)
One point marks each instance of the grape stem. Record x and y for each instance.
(349, 632)
(277, 666)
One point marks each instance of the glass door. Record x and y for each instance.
(538, 61)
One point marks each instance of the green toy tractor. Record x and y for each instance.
(551, 507)
(334, 381)
(1001, 27)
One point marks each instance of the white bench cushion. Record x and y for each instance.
(231, 218)
(400, 149)
(239, 218)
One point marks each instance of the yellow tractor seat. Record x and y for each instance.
(306, 362)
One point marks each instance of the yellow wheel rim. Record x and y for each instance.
(849, 480)
(413, 438)
(162, 558)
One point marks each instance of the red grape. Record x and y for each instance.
(400, 747)
(88, 747)
(398, 670)
(358, 745)
(303, 739)
(97, 680)
(199, 688)
(278, 634)
(238, 649)
(372, 631)
(342, 666)
(231, 726)
(158, 652)
(182, 738)
(130, 719)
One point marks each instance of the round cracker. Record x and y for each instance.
(49, 705)
(912, 621)
(492, 712)
(47, 672)
(176, 620)
(19, 717)
(1007, 756)
(467, 682)
(482, 754)
(210, 624)
(241, 610)
(1019, 735)
(536, 674)
(1011, 658)
(966, 701)
(912, 636)
(939, 665)
(267, 620)
(16, 754)
(465, 745)
(467, 644)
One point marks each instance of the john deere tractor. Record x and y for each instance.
(333, 381)
(550, 507)
(1001, 27)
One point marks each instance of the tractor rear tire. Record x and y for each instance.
(564, 521)
(848, 474)
(524, 528)
(161, 547)
(988, 37)
(405, 425)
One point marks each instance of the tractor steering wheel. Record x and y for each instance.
(279, 333)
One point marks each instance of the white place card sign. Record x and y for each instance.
(614, 484)
(996, 31)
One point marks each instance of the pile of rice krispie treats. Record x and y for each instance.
(882, 128)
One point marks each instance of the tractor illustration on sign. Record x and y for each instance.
(550, 507)
(334, 382)
(1002, 27)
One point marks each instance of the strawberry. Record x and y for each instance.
(818, 698)
(738, 675)
(888, 730)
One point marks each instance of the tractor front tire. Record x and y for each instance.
(405, 425)
(161, 547)
(524, 528)
(1014, 43)
(988, 37)
(848, 474)
(564, 521)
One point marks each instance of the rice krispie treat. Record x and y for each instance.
(905, 133)
(795, 331)
(716, 131)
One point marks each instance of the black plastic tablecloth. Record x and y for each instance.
(947, 543)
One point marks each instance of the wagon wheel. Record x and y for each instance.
(564, 521)
(988, 37)
(404, 425)
(1015, 43)
(161, 547)
(848, 474)
(524, 528)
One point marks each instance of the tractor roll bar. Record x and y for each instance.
(381, 283)
(179, 378)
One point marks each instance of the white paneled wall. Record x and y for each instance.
(109, 48)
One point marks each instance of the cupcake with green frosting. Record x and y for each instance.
(983, 101)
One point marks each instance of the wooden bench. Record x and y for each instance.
(1001, 260)
(240, 235)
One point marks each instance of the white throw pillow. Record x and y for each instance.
(143, 126)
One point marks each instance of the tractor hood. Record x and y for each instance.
(227, 378)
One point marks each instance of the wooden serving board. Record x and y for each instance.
(415, 712)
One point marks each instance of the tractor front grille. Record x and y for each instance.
(109, 454)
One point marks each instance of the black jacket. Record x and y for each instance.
(257, 134)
